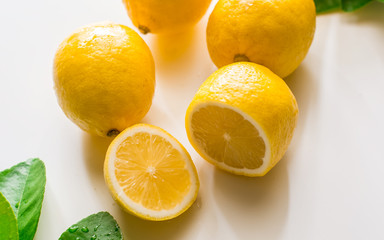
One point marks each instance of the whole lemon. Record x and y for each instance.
(156, 16)
(104, 78)
(273, 33)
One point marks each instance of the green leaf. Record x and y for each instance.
(100, 226)
(23, 186)
(352, 5)
(327, 5)
(345, 5)
(8, 224)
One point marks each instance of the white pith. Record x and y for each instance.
(241, 171)
(136, 207)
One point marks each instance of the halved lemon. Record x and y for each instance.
(242, 119)
(150, 174)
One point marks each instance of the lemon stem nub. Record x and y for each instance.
(143, 29)
(241, 58)
(113, 132)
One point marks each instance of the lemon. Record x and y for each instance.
(150, 174)
(104, 77)
(276, 33)
(156, 16)
(242, 119)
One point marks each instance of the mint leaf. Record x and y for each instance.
(8, 224)
(345, 5)
(100, 226)
(23, 186)
(327, 5)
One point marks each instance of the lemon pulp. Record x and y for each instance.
(228, 137)
(147, 168)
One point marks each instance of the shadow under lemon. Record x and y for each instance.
(181, 56)
(94, 151)
(254, 207)
(135, 228)
(182, 64)
(171, 46)
(305, 89)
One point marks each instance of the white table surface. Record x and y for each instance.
(329, 185)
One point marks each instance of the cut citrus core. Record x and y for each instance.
(150, 174)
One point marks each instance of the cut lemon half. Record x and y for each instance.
(150, 174)
(242, 119)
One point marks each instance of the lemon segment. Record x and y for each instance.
(242, 119)
(150, 174)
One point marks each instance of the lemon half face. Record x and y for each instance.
(150, 174)
(242, 119)
(229, 138)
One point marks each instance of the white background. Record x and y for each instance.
(329, 185)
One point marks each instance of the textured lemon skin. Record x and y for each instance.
(104, 78)
(257, 92)
(115, 195)
(276, 33)
(165, 16)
